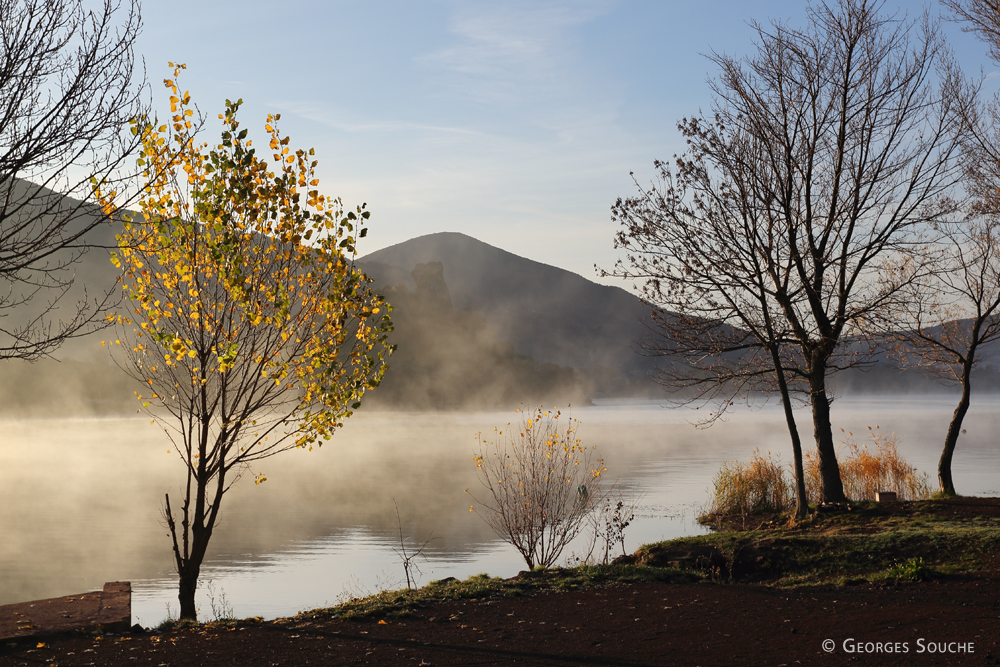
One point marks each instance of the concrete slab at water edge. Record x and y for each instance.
(109, 610)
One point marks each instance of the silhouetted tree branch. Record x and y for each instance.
(68, 87)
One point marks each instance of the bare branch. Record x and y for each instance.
(68, 87)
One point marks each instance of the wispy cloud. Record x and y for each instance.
(504, 52)
(346, 122)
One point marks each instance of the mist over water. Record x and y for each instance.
(81, 499)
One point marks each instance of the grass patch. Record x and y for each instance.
(482, 586)
(913, 569)
(866, 542)
(763, 485)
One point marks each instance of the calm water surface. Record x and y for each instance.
(81, 500)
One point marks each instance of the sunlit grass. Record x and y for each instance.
(865, 470)
(759, 485)
(764, 485)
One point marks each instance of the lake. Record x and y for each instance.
(81, 499)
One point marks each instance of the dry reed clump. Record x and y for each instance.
(759, 485)
(866, 471)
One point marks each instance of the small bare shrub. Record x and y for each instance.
(409, 558)
(864, 470)
(541, 484)
(759, 485)
(613, 515)
(221, 609)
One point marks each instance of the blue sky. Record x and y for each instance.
(514, 122)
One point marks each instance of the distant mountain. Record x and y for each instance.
(447, 359)
(559, 317)
(549, 314)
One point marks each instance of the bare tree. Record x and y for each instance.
(408, 559)
(829, 151)
(958, 312)
(541, 484)
(720, 333)
(608, 522)
(953, 316)
(68, 87)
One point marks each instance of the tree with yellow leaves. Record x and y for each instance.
(248, 324)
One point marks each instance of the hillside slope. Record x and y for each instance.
(449, 359)
(549, 314)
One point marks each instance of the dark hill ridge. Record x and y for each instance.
(549, 314)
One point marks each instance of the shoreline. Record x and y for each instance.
(642, 613)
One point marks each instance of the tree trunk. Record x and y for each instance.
(831, 489)
(951, 439)
(186, 590)
(801, 501)
(191, 569)
(199, 532)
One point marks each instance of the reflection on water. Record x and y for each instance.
(80, 500)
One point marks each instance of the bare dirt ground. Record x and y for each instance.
(952, 620)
